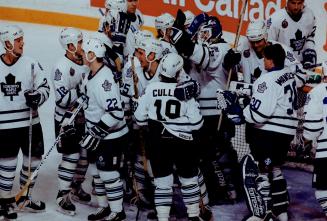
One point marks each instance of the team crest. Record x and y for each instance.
(106, 85)
(298, 42)
(58, 75)
(72, 72)
(11, 88)
(246, 53)
(284, 24)
(262, 87)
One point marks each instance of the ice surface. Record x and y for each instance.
(41, 42)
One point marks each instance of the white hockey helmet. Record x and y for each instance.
(10, 33)
(140, 35)
(257, 30)
(119, 5)
(164, 21)
(70, 35)
(103, 38)
(151, 45)
(94, 45)
(189, 17)
(171, 65)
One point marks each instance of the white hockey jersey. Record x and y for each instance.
(167, 48)
(135, 26)
(15, 79)
(252, 66)
(104, 103)
(211, 75)
(158, 103)
(67, 78)
(296, 35)
(315, 116)
(273, 102)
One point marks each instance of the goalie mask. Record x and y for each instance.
(10, 33)
(210, 31)
(171, 65)
(257, 31)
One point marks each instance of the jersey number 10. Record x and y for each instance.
(172, 109)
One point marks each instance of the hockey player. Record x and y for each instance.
(315, 130)
(68, 74)
(273, 125)
(136, 18)
(171, 123)
(24, 88)
(208, 68)
(106, 130)
(163, 24)
(295, 26)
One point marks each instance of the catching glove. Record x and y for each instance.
(228, 103)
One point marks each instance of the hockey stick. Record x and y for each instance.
(237, 38)
(36, 171)
(30, 129)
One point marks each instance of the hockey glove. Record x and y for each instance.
(182, 42)
(187, 90)
(231, 59)
(309, 58)
(33, 98)
(197, 22)
(228, 103)
(93, 136)
(68, 131)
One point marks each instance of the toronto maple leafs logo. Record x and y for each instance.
(10, 87)
(262, 87)
(106, 85)
(129, 72)
(297, 43)
(58, 75)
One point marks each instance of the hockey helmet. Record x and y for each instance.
(10, 33)
(210, 30)
(257, 30)
(70, 35)
(140, 35)
(103, 38)
(119, 5)
(171, 65)
(164, 21)
(151, 45)
(94, 45)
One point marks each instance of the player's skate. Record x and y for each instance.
(116, 216)
(7, 209)
(65, 204)
(206, 213)
(100, 214)
(26, 204)
(79, 195)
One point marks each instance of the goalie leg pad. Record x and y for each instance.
(279, 193)
(250, 172)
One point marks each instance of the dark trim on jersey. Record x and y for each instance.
(9, 65)
(14, 111)
(321, 141)
(313, 130)
(208, 108)
(321, 150)
(253, 118)
(203, 56)
(60, 101)
(141, 121)
(310, 40)
(111, 131)
(206, 98)
(74, 61)
(182, 124)
(90, 74)
(180, 131)
(280, 125)
(17, 120)
(272, 117)
(313, 121)
(146, 76)
(117, 118)
(300, 78)
(59, 114)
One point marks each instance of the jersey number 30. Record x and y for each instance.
(172, 109)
